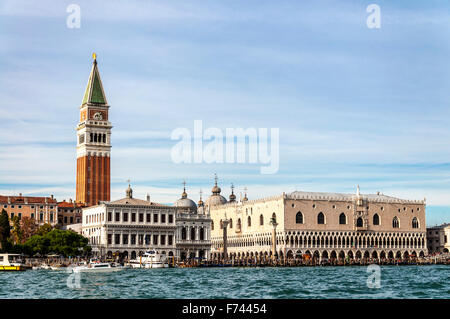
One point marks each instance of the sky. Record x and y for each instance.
(354, 105)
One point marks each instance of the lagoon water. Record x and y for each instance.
(300, 282)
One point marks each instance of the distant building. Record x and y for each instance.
(321, 225)
(69, 213)
(75, 227)
(193, 237)
(130, 226)
(438, 239)
(42, 209)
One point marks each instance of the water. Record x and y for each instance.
(303, 282)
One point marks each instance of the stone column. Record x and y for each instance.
(274, 237)
(225, 243)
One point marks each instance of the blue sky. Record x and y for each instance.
(354, 105)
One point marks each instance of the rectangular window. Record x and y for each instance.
(117, 217)
(133, 217)
(125, 217)
(133, 239)
(109, 216)
(41, 216)
(20, 215)
(155, 218)
(12, 215)
(109, 239)
(170, 240)
(148, 218)
(51, 217)
(163, 218)
(32, 215)
(65, 219)
(155, 239)
(141, 239)
(71, 220)
(117, 239)
(163, 239)
(141, 218)
(170, 219)
(125, 239)
(147, 239)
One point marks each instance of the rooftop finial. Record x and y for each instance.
(357, 190)
(245, 194)
(232, 196)
(184, 195)
(129, 191)
(94, 56)
(215, 179)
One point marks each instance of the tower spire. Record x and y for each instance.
(94, 93)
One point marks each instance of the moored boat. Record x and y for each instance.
(11, 262)
(97, 267)
(150, 259)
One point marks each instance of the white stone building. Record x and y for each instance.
(130, 226)
(438, 239)
(193, 229)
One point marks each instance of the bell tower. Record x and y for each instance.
(93, 143)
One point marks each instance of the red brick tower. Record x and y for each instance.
(93, 143)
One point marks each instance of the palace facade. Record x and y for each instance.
(320, 225)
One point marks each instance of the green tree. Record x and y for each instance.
(63, 242)
(17, 230)
(44, 229)
(5, 230)
(36, 244)
(29, 228)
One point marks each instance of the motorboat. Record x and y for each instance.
(12, 262)
(97, 267)
(150, 259)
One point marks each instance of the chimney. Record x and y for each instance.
(20, 194)
(51, 196)
(70, 200)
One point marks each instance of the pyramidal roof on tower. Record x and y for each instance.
(94, 90)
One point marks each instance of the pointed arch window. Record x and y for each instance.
(249, 221)
(299, 218)
(231, 223)
(395, 223)
(376, 219)
(321, 218)
(342, 219)
(415, 223)
(261, 220)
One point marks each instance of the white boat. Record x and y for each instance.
(150, 259)
(97, 267)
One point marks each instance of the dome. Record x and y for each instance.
(186, 203)
(215, 198)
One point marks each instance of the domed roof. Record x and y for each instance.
(186, 203)
(215, 198)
